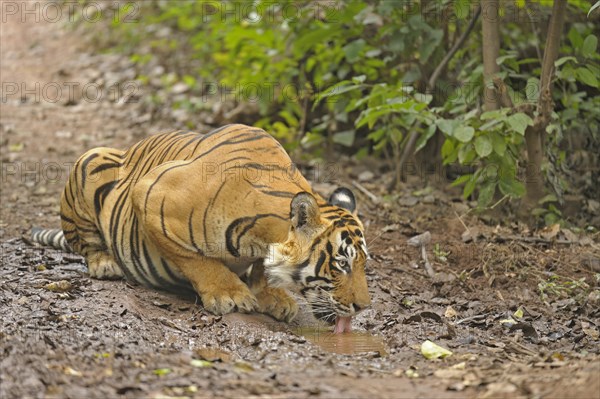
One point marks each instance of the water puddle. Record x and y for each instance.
(346, 343)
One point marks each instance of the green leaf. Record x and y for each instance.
(483, 146)
(461, 180)
(446, 126)
(512, 187)
(519, 122)
(163, 371)
(498, 143)
(494, 114)
(469, 187)
(424, 137)
(345, 138)
(448, 152)
(532, 90)
(589, 46)
(548, 198)
(500, 60)
(464, 133)
(562, 60)
(486, 193)
(353, 49)
(584, 75)
(336, 90)
(424, 98)
(466, 154)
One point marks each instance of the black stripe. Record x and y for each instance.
(107, 165)
(84, 168)
(191, 231)
(152, 268)
(208, 207)
(282, 194)
(249, 222)
(162, 218)
(298, 270)
(101, 193)
(178, 280)
(320, 262)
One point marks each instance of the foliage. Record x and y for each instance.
(355, 74)
(562, 287)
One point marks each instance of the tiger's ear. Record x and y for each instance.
(344, 198)
(304, 212)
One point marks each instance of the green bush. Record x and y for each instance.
(354, 74)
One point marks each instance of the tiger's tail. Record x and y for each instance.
(54, 238)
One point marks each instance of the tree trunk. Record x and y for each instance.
(535, 135)
(491, 50)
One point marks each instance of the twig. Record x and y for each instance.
(436, 74)
(428, 267)
(499, 201)
(461, 221)
(534, 240)
(414, 132)
(472, 318)
(372, 197)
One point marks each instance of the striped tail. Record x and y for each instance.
(54, 238)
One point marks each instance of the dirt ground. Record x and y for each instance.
(520, 311)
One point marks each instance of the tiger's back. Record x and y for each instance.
(240, 180)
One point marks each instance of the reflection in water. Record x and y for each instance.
(346, 343)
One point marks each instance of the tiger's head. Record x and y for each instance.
(324, 256)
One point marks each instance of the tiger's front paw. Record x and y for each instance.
(277, 303)
(230, 299)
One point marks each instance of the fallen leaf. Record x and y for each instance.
(459, 366)
(450, 313)
(411, 373)
(243, 366)
(519, 313)
(71, 371)
(17, 147)
(59, 286)
(433, 351)
(592, 333)
(550, 232)
(163, 371)
(200, 363)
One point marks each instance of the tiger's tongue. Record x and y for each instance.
(342, 324)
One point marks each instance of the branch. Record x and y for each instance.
(436, 74)
(414, 133)
(555, 29)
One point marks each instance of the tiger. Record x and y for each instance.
(225, 215)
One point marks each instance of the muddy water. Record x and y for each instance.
(346, 343)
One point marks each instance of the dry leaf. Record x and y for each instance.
(550, 232)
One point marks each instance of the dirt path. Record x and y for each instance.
(105, 339)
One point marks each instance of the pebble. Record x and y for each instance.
(408, 201)
(367, 175)
(428, 199)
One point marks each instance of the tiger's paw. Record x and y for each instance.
(277, 303)
(225, 301)
(103, 267)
